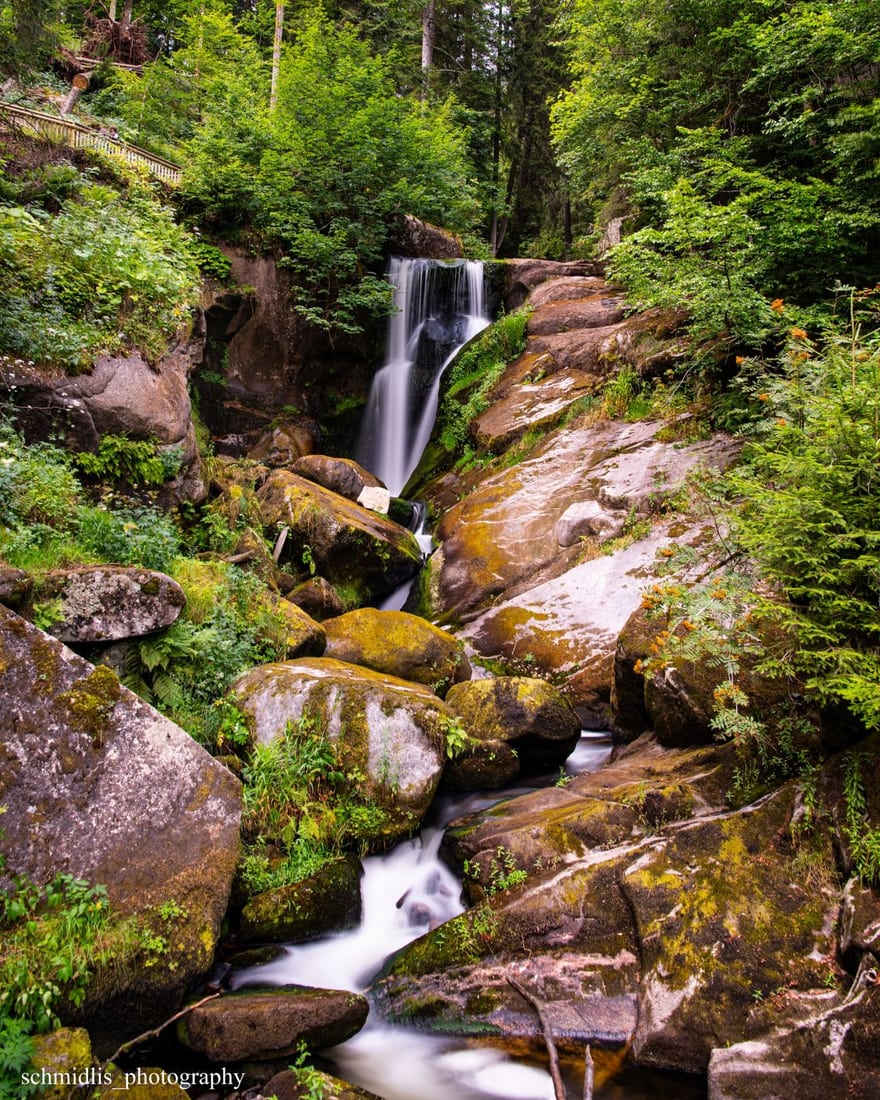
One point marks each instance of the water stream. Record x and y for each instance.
(439, 306)
(405, 892)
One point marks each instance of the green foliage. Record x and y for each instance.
(456, 736)
(474, 373)
(311, 1083)
(863, 840)
(128, 536)
(138, 461)
(109, 271)
(228, 626)
(810, 514)
(50, 937)
(37, 482)
(16, 1051)
(298, 799)
(740, 138)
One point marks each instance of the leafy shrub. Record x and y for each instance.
(129, 536)
(107, 272)
(37, 482)
(137, 461)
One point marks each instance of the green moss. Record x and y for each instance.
(90, 702)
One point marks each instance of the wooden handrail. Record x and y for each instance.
(68, 132)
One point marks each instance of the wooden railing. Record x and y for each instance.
(68, 132)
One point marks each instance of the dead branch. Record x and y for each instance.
(558, 1086)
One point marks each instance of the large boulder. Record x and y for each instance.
(340, 475)
(532, 716)
(400, 644)
(121, 395)
(356, 550)
(327, 901)
(266, 1024)
(106, 603)
(99, 785)
(389, 733)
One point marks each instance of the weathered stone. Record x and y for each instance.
(629, 714)
(530, 406)
(285, 444)
(318, 598)
(720, 916)
(341, 475)
(532, 716)
(588, 517)
(105, 603)
(400, 644)
(523, 276)
(15, 585)
(351, 547)
(122, 395)
(482, 765)
(831, 1054)
(859, 924)
(554, 314)
(60, 1057)
(390, 731)
(270, 1023)
(99, 785)
(328, 901)
(413, 237)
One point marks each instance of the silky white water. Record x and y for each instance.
(405, 892)
(401, 407)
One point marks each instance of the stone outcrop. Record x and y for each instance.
(400, 644)
(106, 603)
(413, 237)
(285, 444)
(389, 732)
(351, 547)
(520, 561)
(122, 395)
(99, 785)
(266, 1024)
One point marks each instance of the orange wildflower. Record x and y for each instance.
(798, 334)
(763, 396)
(777, 305)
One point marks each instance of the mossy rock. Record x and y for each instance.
(724, 924)
(340, 475)
(328, 901)
(264, 1024)
(304, 636)
(318, 598)
(532, 716)
(390, 734)
(349, 545)
(481, 766)
(400, 644)
(285, 1086)
(65, 1054)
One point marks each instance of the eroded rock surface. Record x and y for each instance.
(99, 785)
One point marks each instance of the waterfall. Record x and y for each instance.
(439, 306)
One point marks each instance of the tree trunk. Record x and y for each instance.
(276, 53)
(126, 12)
(429, 32)
(112, 11)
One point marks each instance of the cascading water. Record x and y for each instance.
(404, 893)
(439, 306)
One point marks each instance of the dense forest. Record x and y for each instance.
(717, 161)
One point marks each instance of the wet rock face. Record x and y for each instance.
(389, 731)
(400, 644)
(267, 1024)
(351, 547)
(110, 602)
(100, 785)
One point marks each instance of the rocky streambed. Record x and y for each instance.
(654, 917)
